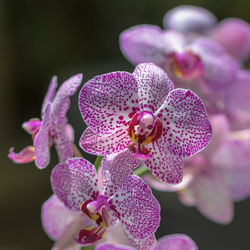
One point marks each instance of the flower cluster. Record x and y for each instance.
(149, 128)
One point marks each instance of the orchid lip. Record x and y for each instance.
(144, 128)
(187, 65)
(91, 208)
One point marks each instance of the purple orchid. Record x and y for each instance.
(119, 197)
(169, 242)
(187, 60)
(217, 176)
(143, 112)
(52, 128)
(237, 43)
(63, 225)
(190, 19)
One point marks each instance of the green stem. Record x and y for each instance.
(98, 162)
(88, 247)
(140, 171)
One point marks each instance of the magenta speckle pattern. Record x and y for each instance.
(115, 168)
(50, 93)
(104, 99)
(187, 128)
(104, 144)
(61, 101)
(165, 165)
(137, 208)
(150, 80)
(74, 182)
(41, 142)
(62, 144)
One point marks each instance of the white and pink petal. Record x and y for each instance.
(42, 140)
(61, 101)
(115, 169)
(187, 129)
(74, 182)
(105, 144)
(136, 207)
(108, 102)
(153, 86)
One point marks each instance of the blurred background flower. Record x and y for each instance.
(39, 39)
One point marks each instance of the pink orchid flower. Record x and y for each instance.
(169, 242)
(121, 197)
(196, 20)
(216, 177)
(188, 61)
(52, 128)
(144, 113)
(63, 225)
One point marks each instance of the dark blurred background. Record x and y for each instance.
(39, 39)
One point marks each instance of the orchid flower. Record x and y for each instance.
(144, 113)
(63, 225)
(199, 59)
(119, 197)
(169, 242)
(52, 128)
(217, 176)
(189, 19)
(196, 20)
(197, 63)
(237, 43)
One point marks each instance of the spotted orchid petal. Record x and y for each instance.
(41, 141)
(62, 144)
(175, 242)
(143, 43)
(107, 102)
(164, 165)
(61, 101)
(104, 144)
(136, 207)
(24, 156)
(219, 68)
(188, 18)
(74, 182)
(50, 93)
(237, 43)
(115, 168)
(187, 130)
(153, 86)
(213, 198)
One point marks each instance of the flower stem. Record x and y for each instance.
(140, 171)
(98, 162)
